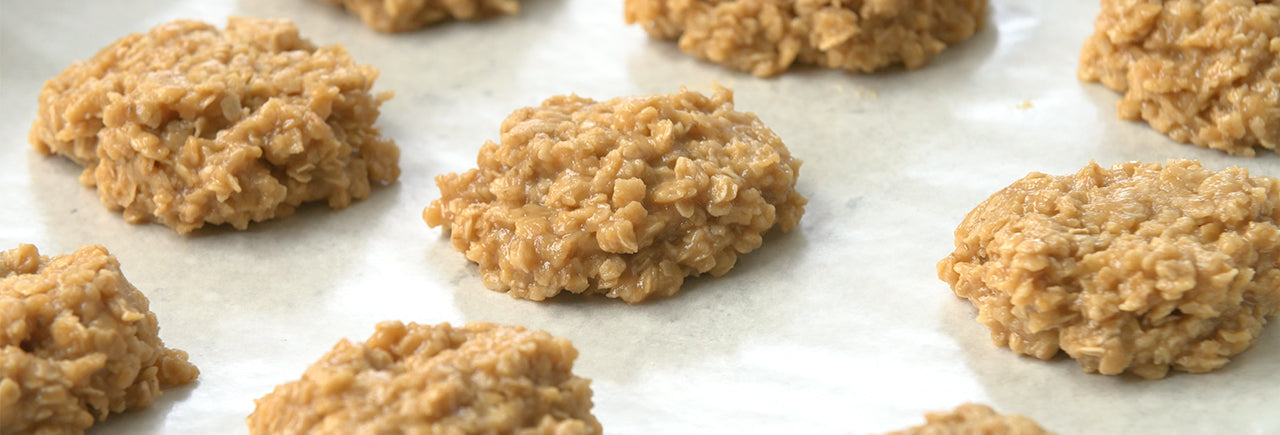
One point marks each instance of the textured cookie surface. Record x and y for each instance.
(419, 379)
(77, 342)
(974, 419)
(1201, 71)
(187, 124)
(405, 15)
(624, 197)
(767, 37)
(1138, 268)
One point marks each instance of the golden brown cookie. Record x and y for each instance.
(766, 37)
(624, 197)
(478, 378)
(77, 342)
(974, 419)
(1200, 71)
(1137, 268)
(187, 124)
(405, 15)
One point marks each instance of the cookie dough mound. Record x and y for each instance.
(765, 37)
(77, 342)
(404, 15)
(479, 378)
(1200, 71)
(187, 125)
(624, 197)
(973, 418)
(1139, 267)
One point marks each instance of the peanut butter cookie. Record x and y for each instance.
(974, 419)
(77, 342)
(476, 379)
(1200, 71)
(405, 15)
(1137, 268)
(766, 37)
(624, 197)
(187, 124)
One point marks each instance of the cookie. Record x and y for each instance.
(767, 37)
(973, 418)
(478, 378)
(1140, 268)
(404, 15)
(188, 125)
(1204, 72)
(78, 342)
(624, 197)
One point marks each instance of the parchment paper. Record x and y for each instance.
(840, 326)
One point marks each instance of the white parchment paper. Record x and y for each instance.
(840, 326)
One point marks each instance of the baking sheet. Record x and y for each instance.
(840, 326)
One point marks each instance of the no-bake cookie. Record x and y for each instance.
(1201, 71)
(478, 378)
(187, 124)
(77, 342)
(974, 419)
(766, 37)
(624, 197)
(404, 15)
(1139, 268)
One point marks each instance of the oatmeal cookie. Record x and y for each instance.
(1137, 268)
(976, 419)
(624, 197)
(187, 125)
(765, 37)
(1200, 71)
(479, 378)
(404, 15)
(77, 342)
